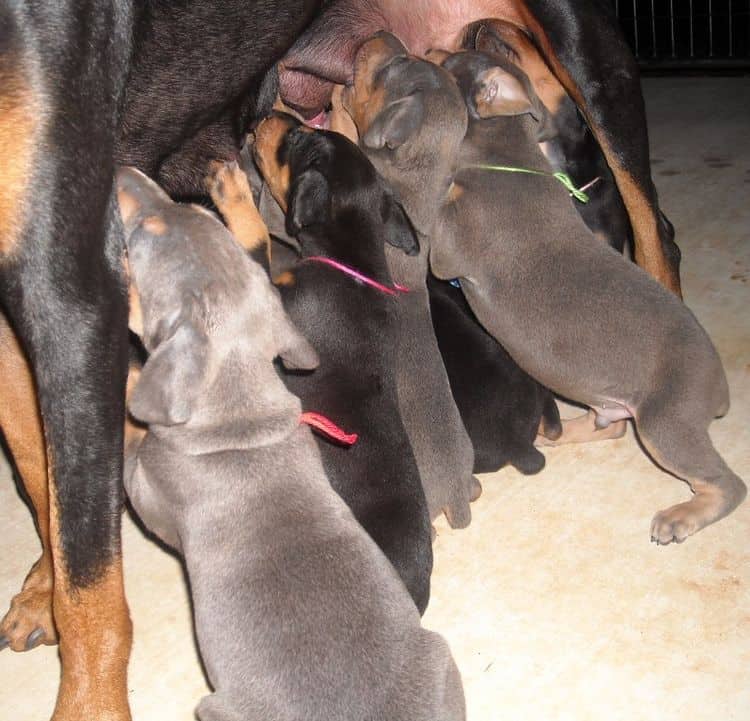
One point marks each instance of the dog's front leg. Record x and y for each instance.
(29, 622)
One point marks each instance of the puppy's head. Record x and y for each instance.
(512, 44)
(201, 298)
(327, 188)
(411, 120)
(493, 86)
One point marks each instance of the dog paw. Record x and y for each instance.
(458, 515)
(675, 524)
(227, 184)
(29, 622)
(475, 489)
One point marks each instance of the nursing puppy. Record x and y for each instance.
(340, 214)
(441, 444)
(564, 136)
(539, 281)
(502, 407)
(298, 614)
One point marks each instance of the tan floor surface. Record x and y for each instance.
(556, 605)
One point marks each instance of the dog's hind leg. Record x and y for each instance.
(583, 429)
(682, 446)
(29, 621)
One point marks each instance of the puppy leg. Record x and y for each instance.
(684, 448)
(29, 622)
(231, 193)
(582, 429)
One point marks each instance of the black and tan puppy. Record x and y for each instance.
(441, 444)
(438, 438)
(536, 278)
(298, 614)
(340, 293)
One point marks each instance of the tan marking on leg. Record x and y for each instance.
(712, 499)
(649, 253)
(31, 610)
(582, 429)
(95, 640)
(20, 112)
(230, 191)
(339, 119)
(95, 637)
(678, 522)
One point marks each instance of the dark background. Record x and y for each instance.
(688, 35)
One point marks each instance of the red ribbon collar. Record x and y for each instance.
(328, 428)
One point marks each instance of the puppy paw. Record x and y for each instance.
(458, 515)
(676, 523)
(29, 622)
(230, 190)
(227, 184)
(475, 489)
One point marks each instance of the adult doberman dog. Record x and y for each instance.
(164, 86)
(83, 85)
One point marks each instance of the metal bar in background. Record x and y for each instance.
(688, 34)
(671, 27)
(692, 32)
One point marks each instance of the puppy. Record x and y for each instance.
(565, 138)
(441, 444)
(538, 280)
(298, 614)
(502, 407)
(341, 214)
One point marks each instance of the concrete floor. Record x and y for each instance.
(556, 605)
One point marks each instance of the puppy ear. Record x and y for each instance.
(396, 123)
(309, 202)
(399, 231)
(172, 378)
(295, 352)
(499, 92)
(137, 196)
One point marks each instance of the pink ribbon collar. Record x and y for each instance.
(354, 273)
